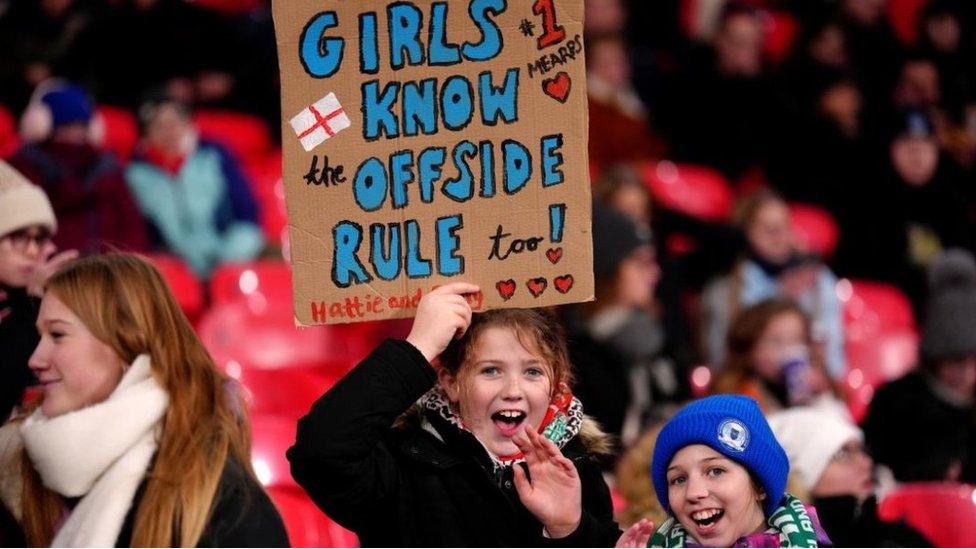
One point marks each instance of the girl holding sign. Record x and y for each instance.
(488, 449)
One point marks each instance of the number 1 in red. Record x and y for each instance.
(554, 33)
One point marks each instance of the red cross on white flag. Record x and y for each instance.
(319, 121)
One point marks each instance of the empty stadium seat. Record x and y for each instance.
(814, 229)
(873, 307)
(695, 190)
(780, 30)
(271, 436)
(241, 280)
(873, 362)
(903, 16)
(9, 140)
(269, 191)
(287, 392)
(307, 526)
(230, 7)
(945, 513)
(262, 333)
(120, 131)
(245, 135)
(184, 284)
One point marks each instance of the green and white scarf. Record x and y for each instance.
(790, 523)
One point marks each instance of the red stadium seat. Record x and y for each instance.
(269, 191)
(230, 7)
(9, 140)
(262, 334)
(242, 281)
(903, 16)
(120, 131)
(287, 392)
(874, 362)
(245, 135)
(945, 513)
(873, 307)
(271, 436)
(780, 32)
(697, 191)
(815, 229)
(308, 526)
(881, 339)
(185, 285)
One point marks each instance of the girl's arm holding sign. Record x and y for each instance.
(471, 467)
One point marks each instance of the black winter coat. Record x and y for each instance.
(918, 434)
(242, 514)
(18, 339)
(403, 486)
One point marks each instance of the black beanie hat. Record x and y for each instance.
(949, 330)
(615, 236)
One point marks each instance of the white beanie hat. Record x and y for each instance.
(22, 203)
(811, 437)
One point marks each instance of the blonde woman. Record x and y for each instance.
(138, 439)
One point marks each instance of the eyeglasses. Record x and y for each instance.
(20, 240)
(848, 452)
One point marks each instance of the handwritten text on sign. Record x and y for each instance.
(432, 143)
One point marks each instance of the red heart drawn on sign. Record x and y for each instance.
(554, 255)
(506, 288)
(536, 286)
(563, 283)
(558, 87)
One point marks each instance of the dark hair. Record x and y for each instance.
(745, 330)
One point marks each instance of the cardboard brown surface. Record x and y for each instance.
(378, 141)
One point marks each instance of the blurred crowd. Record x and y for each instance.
(764, 172)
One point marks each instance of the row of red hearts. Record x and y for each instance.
(536, 286)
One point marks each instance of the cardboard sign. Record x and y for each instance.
(430, 142)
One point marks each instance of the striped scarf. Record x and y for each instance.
(791, 525)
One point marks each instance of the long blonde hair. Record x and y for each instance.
(123, 300)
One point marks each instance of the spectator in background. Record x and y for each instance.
(192, 192)
(774, 267)
(616, 342)
(934, 403)
(923, 214)
(772, 358)
(621, 187)
(618, 120)
(827, 455)
(874, 51)
(717, 111)
(141, 44)
(138, 440)
(943, 40)
(34, 38)
(826, 155)
(90, 196)
(26, 225)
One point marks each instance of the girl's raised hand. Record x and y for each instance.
(554, 494)
(442, 314)
(637, 535)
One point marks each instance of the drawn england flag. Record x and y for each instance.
(319, 121)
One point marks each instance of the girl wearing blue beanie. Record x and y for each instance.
(721, 475)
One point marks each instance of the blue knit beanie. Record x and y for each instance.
(68, 104)
(733, 426)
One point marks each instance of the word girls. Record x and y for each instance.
(322, 56)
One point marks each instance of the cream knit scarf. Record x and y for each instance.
(100, 453)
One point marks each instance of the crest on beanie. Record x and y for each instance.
(733, 434)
